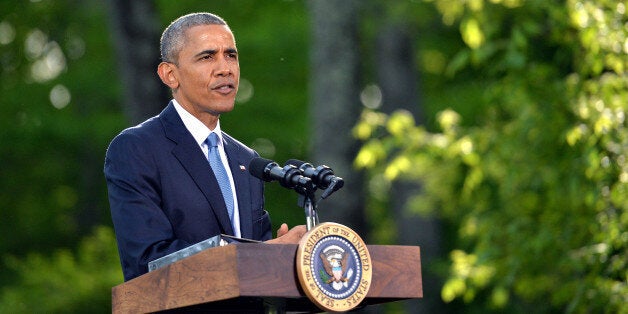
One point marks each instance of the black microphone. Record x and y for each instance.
(322, 176)
(289, 176)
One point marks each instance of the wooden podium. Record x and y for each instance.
(254, 278)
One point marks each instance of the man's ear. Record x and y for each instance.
(166, 73)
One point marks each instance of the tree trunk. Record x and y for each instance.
(136, 32)
(335, 106)
(399, 83)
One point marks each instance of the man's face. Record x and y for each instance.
(208, 71)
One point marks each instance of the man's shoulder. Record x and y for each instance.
(145, 128)
(243, 148)
(143, 133)
(151, 128)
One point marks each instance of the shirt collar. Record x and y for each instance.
(199, 131)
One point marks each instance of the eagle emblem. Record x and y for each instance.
(334, 260)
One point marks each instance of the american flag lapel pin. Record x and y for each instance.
(242, 168)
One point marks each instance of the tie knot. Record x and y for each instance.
(212, 139)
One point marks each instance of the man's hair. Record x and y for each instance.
(173, 37)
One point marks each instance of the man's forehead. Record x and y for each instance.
(211, 32)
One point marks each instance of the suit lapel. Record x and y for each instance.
(238, 164)
(193, 161)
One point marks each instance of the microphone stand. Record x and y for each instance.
(307, 201)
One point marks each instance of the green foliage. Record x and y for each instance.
(58, 118)
(538, 185)
(57, 113)
(66, 282)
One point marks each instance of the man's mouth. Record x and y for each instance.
(225, 88)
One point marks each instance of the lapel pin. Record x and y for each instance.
(243, 168)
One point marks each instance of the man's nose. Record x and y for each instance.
(223, 68)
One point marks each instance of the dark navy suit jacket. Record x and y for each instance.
(164, 196)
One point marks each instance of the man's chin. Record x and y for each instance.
(222, 108)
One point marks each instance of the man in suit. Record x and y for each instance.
(163, 193)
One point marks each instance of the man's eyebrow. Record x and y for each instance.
(213, 52)
(206, 52)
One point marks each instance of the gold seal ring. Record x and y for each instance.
(334, 267)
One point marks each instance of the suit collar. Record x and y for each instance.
(199, 131)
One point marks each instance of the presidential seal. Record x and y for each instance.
(334, 267)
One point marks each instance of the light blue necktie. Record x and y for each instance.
(219, 171)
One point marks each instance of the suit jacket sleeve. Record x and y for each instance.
(143, 231)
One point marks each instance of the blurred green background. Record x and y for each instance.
(490, 133)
